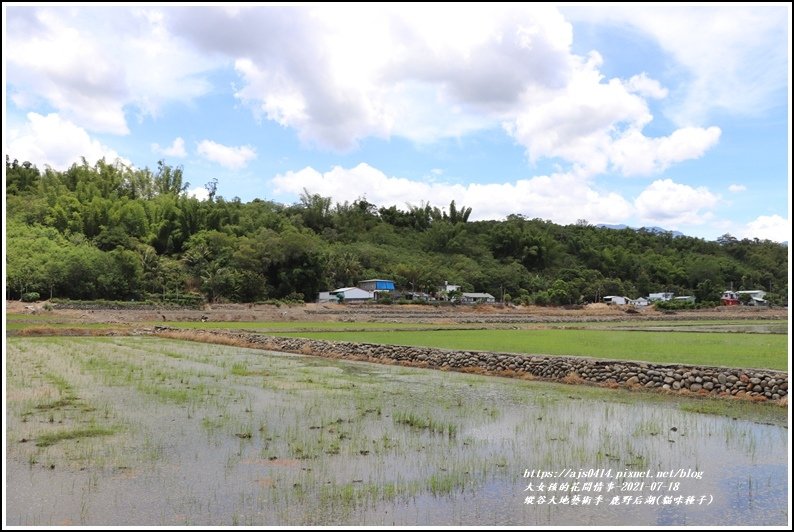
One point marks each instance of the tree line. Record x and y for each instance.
(108, 231)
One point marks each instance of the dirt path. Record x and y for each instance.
(334, 312)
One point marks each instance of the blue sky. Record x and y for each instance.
(670, 116)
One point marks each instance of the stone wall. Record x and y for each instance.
(752, 383)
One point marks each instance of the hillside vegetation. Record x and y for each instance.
(106, 231)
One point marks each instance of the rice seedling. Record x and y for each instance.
(214, 435)
(51, 438)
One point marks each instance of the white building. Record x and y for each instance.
(616, 300)
(757, 297)
(477, 297)
(443, 291)
(351, 293)
(640, 302)
(447, 288)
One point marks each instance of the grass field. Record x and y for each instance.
(703, 342)
(714, 349)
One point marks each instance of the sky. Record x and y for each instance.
(671, 116)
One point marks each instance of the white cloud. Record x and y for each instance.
(232, 157)
(538, 197)
(176, 149)
(95, 65)
(200, 193)
(423, 78)
(576, 122)
(731, 58)
(51, 140)
(418, 75)
(339, 74)
(636, 154)
(645, 86)
(736, 188)
(775, 228)
(671, 204)
(598, 126)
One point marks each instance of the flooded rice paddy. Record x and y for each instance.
(141, 431)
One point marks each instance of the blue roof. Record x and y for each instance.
(380, 284)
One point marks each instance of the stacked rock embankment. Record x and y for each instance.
(704, 380)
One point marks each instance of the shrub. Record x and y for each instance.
(293, 297)
(182, 299)
(30, 297)
(675, 305)
(683, 305)
(573, 378)
(542, 299)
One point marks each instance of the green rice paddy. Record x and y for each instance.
(769, 351)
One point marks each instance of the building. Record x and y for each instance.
(477, 297)
(685, 299)
(377, 285)
(640, 302)
(351, 294)
(729, 298)
(444, 291)
(754, 298)
(661, 296)
(757, 297)
(447, 288)
(616, 300)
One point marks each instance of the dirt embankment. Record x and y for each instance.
(334, 312)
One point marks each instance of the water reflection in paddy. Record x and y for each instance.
(275, 439)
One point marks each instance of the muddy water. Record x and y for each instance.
(273, 439)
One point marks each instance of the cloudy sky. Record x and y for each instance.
(667, 116)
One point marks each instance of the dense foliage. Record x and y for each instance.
(111, 232)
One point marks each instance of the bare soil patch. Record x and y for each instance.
(334, 312)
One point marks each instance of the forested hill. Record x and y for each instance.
(109, 232)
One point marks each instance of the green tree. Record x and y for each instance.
(169, 180)
(315, 211)
(341, 268)
(21, 178)
(75, 233)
